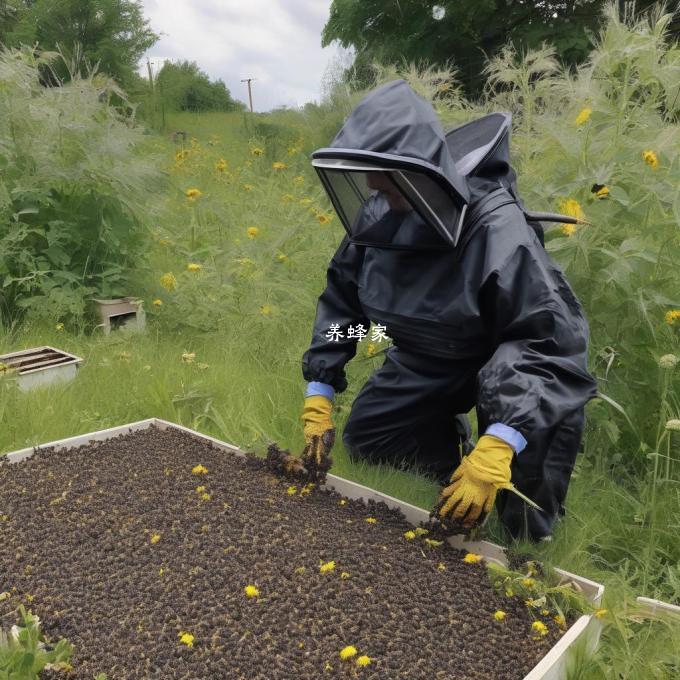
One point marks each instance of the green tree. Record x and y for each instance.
(111, 32)
(461, 33)
(184, 87)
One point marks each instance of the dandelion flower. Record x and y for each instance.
(205, 497)
(155, 538)
(186, 639)
(327, 567)
(371, 520)
(650, 158)
(193, 194)
(363, 660)
(168, 281)
(668, 361)
(545, 612)
(281, 257)
(248, 187)
(157, 302)
(472, 558)
(199, 470)
(409, 535)
(499, 615)
(441, 566)
(528, 582)
(257, 151)
(673, 424)
(278, 165)
(345, 575)
(571, 207)
(603, 192)
(265, 309)
(251, 591)
(583, 116)
(419, 531)
(671, 316)
(252, 232)
(188, 357)
(539, 628)
(342, 501)
(432, 543)
(194, 267)
(599, 613)
(59, 327)
(291, 490)
(348, 652)
(568, 229)
(200, 489)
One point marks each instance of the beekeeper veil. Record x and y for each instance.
(390, 176)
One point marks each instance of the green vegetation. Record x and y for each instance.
(231, 272)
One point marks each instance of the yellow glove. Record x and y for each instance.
(474, 483)
(319, 435)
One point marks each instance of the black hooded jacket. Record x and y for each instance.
(496, 301)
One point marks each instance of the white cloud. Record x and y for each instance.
(277, 42)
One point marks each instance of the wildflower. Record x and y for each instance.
(472, 558)
(651, 159)
(528, 582)
(186, 639)
(530, 602)
(673, 424)
(571, 207)
(342, 501)
(441, 566)
(181, 155)
(194, 267)
(539, 628)
(363, 660)
(323, 219)
(671, 316)
(248, 187)
(291, 490)
(668, 361)
(419, 531)
(157, 302)
(499, 615)
(287, 198)
(199, 470)
(188, 357)
(193, 194)
(307, 488)
(257, 151)
(371, 520)
(251, 591)
(305, 201)
(205, 497)
(155, 538)
(434, 544)
(327, 566)
(161, 571)
(409, 535)
(252, 232)
(200, 489)
(568, 229)
(221, 165)
(348, 652)
(59, 327)
(560, 620)
(345, 575)
(281, 257)
(328, 667)
(265, 309)
(299, 179)
(168, 281)
(583, 116)
(300, 570)
(602, 192)
(278, 165)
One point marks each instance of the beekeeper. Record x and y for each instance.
(440, 252)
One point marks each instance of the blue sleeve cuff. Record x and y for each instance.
(320, 389)
(508, 434)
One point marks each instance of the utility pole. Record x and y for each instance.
(250, 92)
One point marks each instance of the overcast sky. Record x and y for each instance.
(277, 42)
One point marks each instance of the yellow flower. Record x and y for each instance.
(545, 612)
(327, 566)
(248, 187)
(441, 566)
(651, 159)
(539, 628)
(299, 179)
(323, 219)
(199, 470)
(157, 302)
(200, 489)
(265, 309)
(188, 357)
(528, 582)
(409, 535)
(583, 116)
(281, 257)
(348, 652)
(342, 501)
(161, 571)
(287, 198)
(602, 192)
(371, 520)
(278, 165)
(560, 621)
(571, 207)
(257, 151)
(600, 613)
(419, 531)
(59, 327)
(671, 316)
(252, 232)
(205, 497)
(194, 267)
(345, 575)
(499, 615)
(568, 229)
(363, 660)
(251, 591)
(186, 639)
(155, 538)
(221, 165)
(168, 281)
(305, 201)
(434, 544)
(193, 194)
(472, 558)
(291, 490)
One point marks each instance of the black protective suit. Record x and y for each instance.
(491, 323)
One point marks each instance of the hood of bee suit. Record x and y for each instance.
(396, 135)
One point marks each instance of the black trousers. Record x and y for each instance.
(409, 414)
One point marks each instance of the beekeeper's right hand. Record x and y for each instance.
(319, 434)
